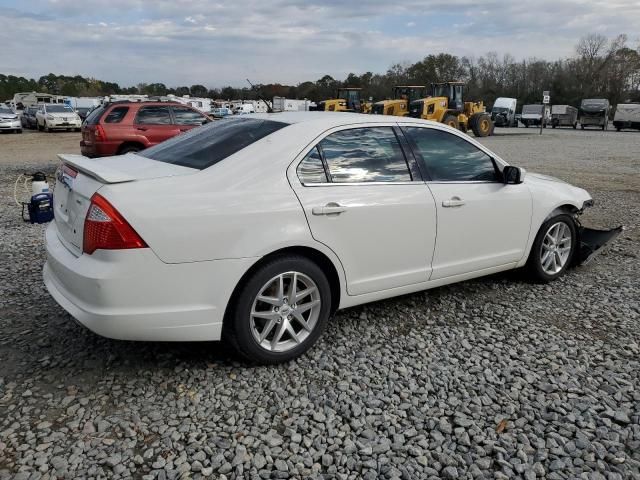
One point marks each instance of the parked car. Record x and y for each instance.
(503, 112)
(9, 121)
(123, 126)
(257, 228)
(534, 114)
(221, 112)
(28, 118)
(627, 116)
(57, 116)
(564, 116)
(594, 112)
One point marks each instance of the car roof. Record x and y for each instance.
(332, 119)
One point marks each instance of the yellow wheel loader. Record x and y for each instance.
(348, 101)
(446, 105)
(403, 95)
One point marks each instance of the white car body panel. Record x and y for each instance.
(206, 228)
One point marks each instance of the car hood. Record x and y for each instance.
(546, 178)
(8, 116)
(62, 114)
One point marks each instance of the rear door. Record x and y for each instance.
(155, 124)
(364, 199)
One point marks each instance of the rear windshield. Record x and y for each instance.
(207, 145)
(94, 117)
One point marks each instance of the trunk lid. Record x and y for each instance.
(79, 177)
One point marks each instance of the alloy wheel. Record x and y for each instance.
(285, 311)
(556, 248)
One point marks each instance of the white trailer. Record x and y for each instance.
(282, 104)
(199, 103)
(28, 99)
(627, 116)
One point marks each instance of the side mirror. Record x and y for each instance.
(512, 175)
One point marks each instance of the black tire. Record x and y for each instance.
(38, 127)
(481, 125)
(19, 131)
(237, 324)
(452, 121)
(526, 124)
(534, 263)
(129, 149)
(575, 125)
(46, 128)
(581, 127)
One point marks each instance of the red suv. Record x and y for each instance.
(123, 126)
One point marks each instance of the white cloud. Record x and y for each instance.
(287, 41)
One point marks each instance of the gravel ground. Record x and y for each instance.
(492, 378)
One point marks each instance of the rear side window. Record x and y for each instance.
(311, 169)
(449, 158)
(207, 145)
(94, 117)
(186, 116)
(370, 154)
(116, 115)
(153, 115)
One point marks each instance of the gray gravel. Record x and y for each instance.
(493, 378)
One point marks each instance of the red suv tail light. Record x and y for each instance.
(99, 134)
(105, 228)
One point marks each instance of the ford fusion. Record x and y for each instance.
(255, 230)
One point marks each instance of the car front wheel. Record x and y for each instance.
(280, 311)
(553, 248)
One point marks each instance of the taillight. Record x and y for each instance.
(99, 134)
(105, 228)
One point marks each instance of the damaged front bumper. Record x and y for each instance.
(591, 241)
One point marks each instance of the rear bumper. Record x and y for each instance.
(93, 150)
(132, 295)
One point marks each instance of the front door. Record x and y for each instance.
(154, 123)
(361, 201)
(482, 223)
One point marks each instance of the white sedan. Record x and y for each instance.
(256, 229)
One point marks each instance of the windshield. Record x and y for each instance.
(59, 109)
(409, 93)
(6, 110)
(207, 145)
(350, 95)
(532, 109)
(441, 90)
(499, 109)
(594, 103)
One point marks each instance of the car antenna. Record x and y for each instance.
(269, 109)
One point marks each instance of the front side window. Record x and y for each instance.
(311, 169)
(207, 145)
(186, 116)
(370, 154)
(153, 115)
(449, 158)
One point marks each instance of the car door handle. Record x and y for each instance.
(453, 202)
(329, 209)
(143, 129)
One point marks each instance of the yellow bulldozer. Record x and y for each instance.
(403, 95)
(348, 100)
(446, 105)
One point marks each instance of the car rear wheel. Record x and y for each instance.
(280, 311)
(553, 248)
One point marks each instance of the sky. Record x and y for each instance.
(219, 43)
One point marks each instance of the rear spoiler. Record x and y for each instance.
(95, 168)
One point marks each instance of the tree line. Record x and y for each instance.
(600, 67)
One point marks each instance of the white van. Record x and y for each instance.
(244, 109)
(503, 112)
